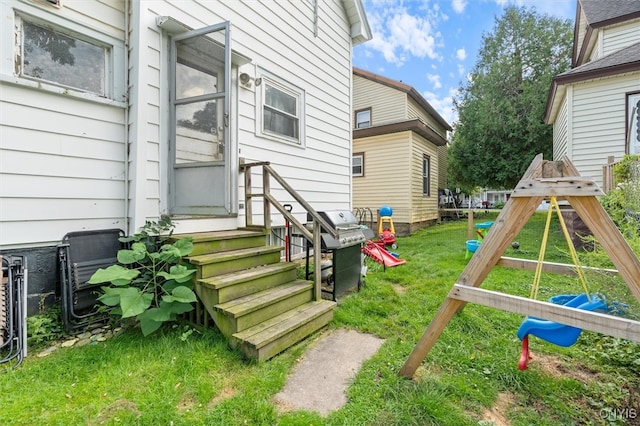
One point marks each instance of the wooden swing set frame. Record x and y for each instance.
(542, 179)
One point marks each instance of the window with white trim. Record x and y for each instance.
(52, 55)
(357, 164)
(363, 118)
(281, 114)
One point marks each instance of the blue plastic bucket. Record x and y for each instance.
(472, 245)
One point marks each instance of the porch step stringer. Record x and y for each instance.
(255, 300)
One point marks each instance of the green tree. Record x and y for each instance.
(501, 108)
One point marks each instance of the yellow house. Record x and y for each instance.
(399, 151)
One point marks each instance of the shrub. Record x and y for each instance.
(152, 283)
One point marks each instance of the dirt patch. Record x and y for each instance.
(115, 409)
(186, 403)
(556, 367)
(496, 414)
(400, 290)
(226, 393)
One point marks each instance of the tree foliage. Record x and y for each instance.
(501, 109)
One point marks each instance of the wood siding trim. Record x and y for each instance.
(415, 125)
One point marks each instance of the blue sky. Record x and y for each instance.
(432, 44)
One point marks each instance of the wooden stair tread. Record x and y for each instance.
(247, 304)
(233, 278)
(276, 327)
(230, 255)
(219, 235)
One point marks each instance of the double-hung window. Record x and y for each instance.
(281, 115)
(363, 118)
(357, 164)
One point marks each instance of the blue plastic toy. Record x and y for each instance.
(553, 332)
(560, 334)
(472, 246)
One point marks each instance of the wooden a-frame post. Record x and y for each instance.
(542, 179)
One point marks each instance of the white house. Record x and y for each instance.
(594, 106)
(114, 112)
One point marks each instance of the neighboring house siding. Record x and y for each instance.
(386, 179)
(387, 104)
(599, 122)
(560, 132)
(415, 111)
(620, 36)
(62, 155)
(442, 167)
(596, 52)
(423, 208)
(582, 30)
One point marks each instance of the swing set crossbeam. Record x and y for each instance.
(550, 267)
(594, 321)
(542, 179)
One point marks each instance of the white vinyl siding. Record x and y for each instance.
(62, 152)
(620, 36)
(599, 122)
(279, 37)
(60, 171)
(582, 30)
(67, 154)
(560, 132)
(596, 50)
(387, 179)
(387, 104)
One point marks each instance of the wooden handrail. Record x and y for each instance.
(269, 200)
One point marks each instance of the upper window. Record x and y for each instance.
(51, 55)
(357, 164)
(282, 111)
(363, 118)
(426, 172)
(633, 123)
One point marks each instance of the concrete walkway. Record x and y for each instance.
(319, 382)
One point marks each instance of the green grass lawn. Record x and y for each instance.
(183, 377)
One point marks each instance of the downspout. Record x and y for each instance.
(315, 18)
(127, 23)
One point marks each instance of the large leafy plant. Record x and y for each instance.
(151, 283)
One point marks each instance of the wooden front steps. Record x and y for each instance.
(255, 300)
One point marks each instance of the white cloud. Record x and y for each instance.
(458, 5)
(460, 69)
(444, 105)
(461, 54)
(398, 35)
(435, 80)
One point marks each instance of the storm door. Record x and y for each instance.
(200, 181)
